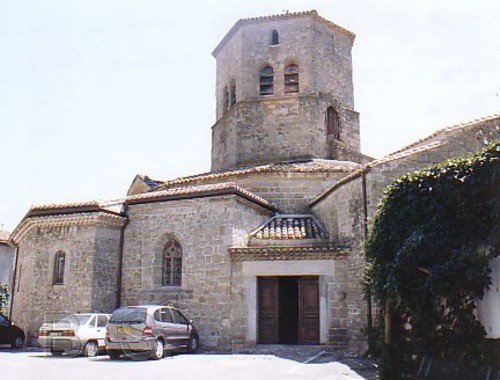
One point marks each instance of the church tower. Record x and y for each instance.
(284, 92)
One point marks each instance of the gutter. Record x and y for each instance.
(365, 234)
(13, 290)
(120, 258)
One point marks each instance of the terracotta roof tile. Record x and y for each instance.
(217, 189)
(308, 166)
(289, 227)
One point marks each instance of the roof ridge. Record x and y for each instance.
(449, 128)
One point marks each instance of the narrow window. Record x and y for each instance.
(291, 79)
(332, 123)
(225, 99)
(266, 81)
(172, 264)
(275, 37)
(233, 94)
(59, 261)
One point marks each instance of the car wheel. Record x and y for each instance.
(90, 350)
(158, 350)
(56, 353)
(193, 344)
(18, 342)
(114, 354)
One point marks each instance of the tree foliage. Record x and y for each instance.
(428, 254)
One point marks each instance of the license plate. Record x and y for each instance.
(124, 330)
(55, 333)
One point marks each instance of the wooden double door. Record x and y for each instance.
(288, 310)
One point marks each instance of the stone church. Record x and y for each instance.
(264, 248)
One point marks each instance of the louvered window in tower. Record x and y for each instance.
(291, 79)
(266, 81)
(172, 264)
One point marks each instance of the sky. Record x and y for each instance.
(94, 92)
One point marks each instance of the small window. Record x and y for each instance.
(59, 261)
(172, 264)
(233, 94)
(332, 123)
(102, 321)
(291, 79)
(225, 99)
(275, 37)
(266, 81)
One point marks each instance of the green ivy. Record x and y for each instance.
(428, 254)
(4, 298)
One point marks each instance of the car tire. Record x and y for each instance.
(90, 350)
(193, 344)
(158, 350)
(56, 353)
(17, 342)
(114, 354)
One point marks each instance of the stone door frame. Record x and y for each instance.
(252, 269)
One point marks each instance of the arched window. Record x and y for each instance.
(172, 263)
(266, 81)
(225, 99)
(332, 123)
(275, 37)
(291, 79)
(233, 94)
(59, 261)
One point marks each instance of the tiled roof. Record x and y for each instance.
(407, 151)
(289, 227)
(75, 207)
(452, 128)
(288, 15)
(364, 168)
(306, 166)
(226, 188)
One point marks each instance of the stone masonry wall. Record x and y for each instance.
(289, 192)
(205, 228)
(90, 275)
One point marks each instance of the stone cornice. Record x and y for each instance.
(287, 253)
(65, 220)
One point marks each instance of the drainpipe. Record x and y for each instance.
(120, 259)
(13, 290)
(365, 234)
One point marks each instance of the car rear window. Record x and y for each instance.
(128, 315)
(80, 319)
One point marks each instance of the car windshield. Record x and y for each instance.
(129, 315)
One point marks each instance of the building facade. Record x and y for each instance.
(265, 248)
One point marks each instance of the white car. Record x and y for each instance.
(81, 333)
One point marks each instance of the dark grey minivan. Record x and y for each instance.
(149, 331)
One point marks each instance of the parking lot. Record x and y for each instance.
(41, 365)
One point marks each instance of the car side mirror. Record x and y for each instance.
(190, 322)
